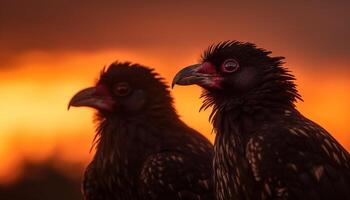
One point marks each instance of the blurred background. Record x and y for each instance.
(51, 49)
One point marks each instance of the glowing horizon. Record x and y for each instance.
(35, 124)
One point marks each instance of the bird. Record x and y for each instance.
(264, 147)
(143, 149)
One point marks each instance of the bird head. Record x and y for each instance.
(124, 89)
(236, 70)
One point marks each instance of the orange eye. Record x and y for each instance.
(122, 89)
(230, 66)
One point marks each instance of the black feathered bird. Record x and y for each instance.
(143, 149)
(264, 148)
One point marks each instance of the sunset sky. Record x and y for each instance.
(51, 49)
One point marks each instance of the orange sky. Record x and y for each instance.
(48, 55)
(35, 123)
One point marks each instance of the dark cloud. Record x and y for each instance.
(312, 29)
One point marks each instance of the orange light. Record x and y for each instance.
(35, 123)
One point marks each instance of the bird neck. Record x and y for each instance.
(123, 143)
(243, 116)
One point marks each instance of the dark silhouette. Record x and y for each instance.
(143, 149)
(264, 149)
(43, 181)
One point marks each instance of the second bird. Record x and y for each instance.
(143, 149)
(264, 148)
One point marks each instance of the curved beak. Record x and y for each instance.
(92, 97)
(187, 76)
(200, 74)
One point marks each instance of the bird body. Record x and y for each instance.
(286, 157)
(150, 162)
(143, 149)
(264, 148)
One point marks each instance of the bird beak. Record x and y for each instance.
(200, 74)
(93, 97)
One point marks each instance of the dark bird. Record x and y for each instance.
(264, 148)
(143, 149)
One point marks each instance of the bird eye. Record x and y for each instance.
(122, 89)
(230, 66)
